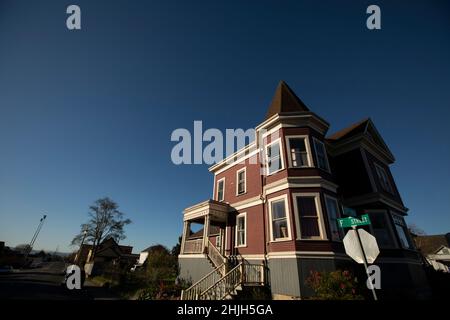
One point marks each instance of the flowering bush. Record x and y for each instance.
(335, 285)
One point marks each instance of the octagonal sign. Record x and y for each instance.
(353, 249)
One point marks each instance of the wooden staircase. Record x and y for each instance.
(225, 281)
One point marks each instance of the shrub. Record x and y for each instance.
(335, 285)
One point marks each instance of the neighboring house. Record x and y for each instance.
(108, 252)
(283, 222)
(435, 249)
(144, 255)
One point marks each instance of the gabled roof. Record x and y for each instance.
(353, 129)
(284, 101)
(365, 127)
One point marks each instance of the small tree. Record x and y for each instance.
(106, 221)
(161, 265)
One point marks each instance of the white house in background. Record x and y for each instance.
(435, 249)
(142, 258)
(143, 255)
(441, 259)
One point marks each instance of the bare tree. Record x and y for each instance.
(106, 221)
(414, 229)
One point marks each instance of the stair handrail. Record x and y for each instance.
(215, 256)
(221, 288)
(197, 288)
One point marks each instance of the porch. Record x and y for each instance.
(213, 216)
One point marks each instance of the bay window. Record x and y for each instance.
(309, 222)
(321, 155)
(402, 231)
(274, 158)
(279, 218)
(333, 215)
(298, 151)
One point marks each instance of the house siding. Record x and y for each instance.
(193, 269)
(284, 276)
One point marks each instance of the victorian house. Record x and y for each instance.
(273, 216)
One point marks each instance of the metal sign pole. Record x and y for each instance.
(365, 262)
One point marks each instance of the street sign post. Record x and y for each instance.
(360, 245)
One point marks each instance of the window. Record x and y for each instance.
(307, 209)
(279, 219)
(220, 189)
(241, 181)
(241, 227)
(333, 215)
(219, 240)
(298, 151)
(384, 179)
(321, 155)
(381, 229)
(274, 160)
(402, 231)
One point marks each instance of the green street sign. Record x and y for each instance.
(352, 222)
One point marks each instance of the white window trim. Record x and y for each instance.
(307, 147)
(389, 225)
(315, 140)
(267, 157)
(217, 189)
(245, 181)
(320, 220)
(326, 196)
(288, 218)
(388, 178)
(243, 214)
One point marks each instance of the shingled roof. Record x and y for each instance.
(284, 101)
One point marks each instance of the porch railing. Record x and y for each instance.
(224, 286)
(193, 246)
(254, 273)
(194, 291)
(215, 256)
(243, 273)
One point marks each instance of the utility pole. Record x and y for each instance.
(36, 233)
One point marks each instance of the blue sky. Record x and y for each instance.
(88, 114)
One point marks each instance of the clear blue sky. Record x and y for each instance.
(89, 114)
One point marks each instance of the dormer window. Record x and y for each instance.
(321, 155)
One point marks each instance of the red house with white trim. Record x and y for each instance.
(273, 218)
